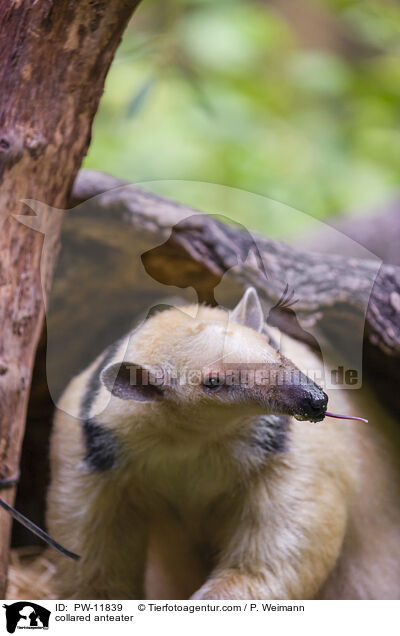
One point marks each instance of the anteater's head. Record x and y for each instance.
(199, 364)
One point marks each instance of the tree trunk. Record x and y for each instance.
(54, 57)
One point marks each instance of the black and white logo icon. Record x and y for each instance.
(26, 615)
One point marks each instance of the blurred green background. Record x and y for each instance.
(296, 100)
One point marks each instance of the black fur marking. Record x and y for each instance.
(270, 433)
(101, 443)
(94, 384)
(101, 446)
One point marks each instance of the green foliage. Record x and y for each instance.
(230, 92)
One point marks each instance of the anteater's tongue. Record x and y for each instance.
(345, 417)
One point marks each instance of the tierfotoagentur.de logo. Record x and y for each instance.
(26, 615)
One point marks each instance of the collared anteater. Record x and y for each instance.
(178, 470)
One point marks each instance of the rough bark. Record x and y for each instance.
(54, 57)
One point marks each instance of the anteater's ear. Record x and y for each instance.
(130, 381)
(248, 311)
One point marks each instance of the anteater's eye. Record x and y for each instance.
(212, 383)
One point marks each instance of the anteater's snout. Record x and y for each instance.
(316, 405)
(312, 405)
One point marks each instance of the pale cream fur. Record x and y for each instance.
(192, 510)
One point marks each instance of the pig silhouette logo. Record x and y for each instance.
(26, 615)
